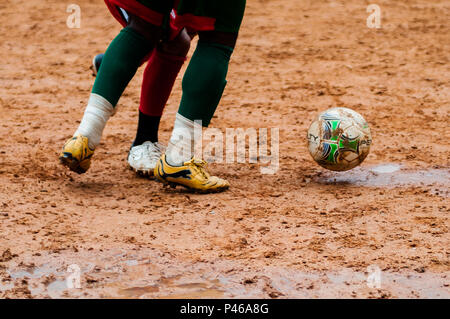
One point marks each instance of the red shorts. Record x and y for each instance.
(177, 23)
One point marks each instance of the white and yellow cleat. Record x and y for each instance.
(76, 154)
(143, 158)
(192, 174)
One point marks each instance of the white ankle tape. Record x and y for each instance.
(181, 144)
(97, 113)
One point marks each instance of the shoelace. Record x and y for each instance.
(154, 151)
(200, 167)
(160, 147)
(151, 150)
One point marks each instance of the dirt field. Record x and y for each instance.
(303, 232)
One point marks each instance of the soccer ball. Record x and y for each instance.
(339, 139)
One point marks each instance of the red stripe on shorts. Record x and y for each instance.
(193, 22)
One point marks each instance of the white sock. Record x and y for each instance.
(181, 144)
(97, 113)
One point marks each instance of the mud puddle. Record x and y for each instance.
(152, 274)
(391, 175)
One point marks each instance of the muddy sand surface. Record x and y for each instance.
(302, 232)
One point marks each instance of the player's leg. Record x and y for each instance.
(121, 60)
(163, 66)
(159, 77)
(203, 86)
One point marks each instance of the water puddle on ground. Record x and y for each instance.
(152, 274)
(43, 279)
(390, 175)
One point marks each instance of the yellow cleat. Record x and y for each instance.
(76, 154)
(192, 175)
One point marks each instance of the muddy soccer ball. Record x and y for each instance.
(339, 139)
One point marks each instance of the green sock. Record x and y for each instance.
(204, 81)
(121, 61)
